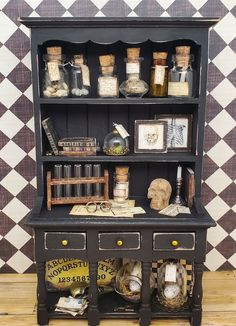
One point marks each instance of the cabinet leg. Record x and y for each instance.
(197, 295)
(42, 310)
(145, 310)
(93, 313)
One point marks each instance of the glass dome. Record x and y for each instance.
(114, 144)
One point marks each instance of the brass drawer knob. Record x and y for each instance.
(174, 243)
(65, 242)
(119, 243)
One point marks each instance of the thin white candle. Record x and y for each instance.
(179, 172)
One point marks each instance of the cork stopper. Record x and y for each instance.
(122, 170)
(133, 53)
(159, 55)
(183, 50)
(54, 53)
(78, 59)
(107, 60)
(182, 60)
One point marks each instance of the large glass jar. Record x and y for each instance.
(181, 77)
(108, 82)
(55, 80)
(159, 75)
(114, 144)
(133, 86)
(80, 81)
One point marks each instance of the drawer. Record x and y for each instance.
(119, 241)
(65, 240)
(173, 241)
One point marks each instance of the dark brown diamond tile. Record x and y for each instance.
(232, 44)
(212, 108)
(28, 249)
(25, 139)
(230, 138)
(15, 9)
(214, 77)
(31, 269)
(209, 247)
(27, 196)
(211, 138)
(1, 78)
(213, 8)
(148, 8)
(216, 44)
(4, 169)
(209, 167)
(226, 267)
(27, 168)
(23, 109)
(50, 8)
(5, 197)
(231, 109)
(229, 168)
(79, 8)
(228, 221)
(7, 249)
(207, 194)
(6, 224)
(20, 77)
(3, 109)
(19, 44)
(185, 8)
(227, 247)
(7, 270)
(3, 140)
(228, 195)
(232, 77)
(23, 225)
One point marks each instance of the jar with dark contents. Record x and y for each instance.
(159, 75)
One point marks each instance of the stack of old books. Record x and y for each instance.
(77, 146)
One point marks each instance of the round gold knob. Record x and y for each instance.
(64, 242)
(119, 243)
(174, 243)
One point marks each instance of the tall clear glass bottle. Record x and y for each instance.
(159, 75)
(107, 80)
(80, 81)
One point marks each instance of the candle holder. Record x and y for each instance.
(178, 199)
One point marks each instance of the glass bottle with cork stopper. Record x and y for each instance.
(121, 184)
(80, 81)
(133, 86)
(181, 76)
(107, 80)
(159, 75)
(55, 81)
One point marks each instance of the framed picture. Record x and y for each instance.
(179, 129)
(150, 136)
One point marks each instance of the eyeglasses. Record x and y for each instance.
(93, 206)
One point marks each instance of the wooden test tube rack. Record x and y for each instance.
(75, 181)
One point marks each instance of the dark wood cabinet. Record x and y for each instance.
(146, 237)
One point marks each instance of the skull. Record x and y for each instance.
(152, 135)
(159, 192)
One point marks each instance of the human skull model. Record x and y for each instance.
(151, 136)
(159, 192)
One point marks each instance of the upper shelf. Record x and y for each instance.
(119, 101)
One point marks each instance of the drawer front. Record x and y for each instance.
(119, 241)
(173, 241)
(65, 240)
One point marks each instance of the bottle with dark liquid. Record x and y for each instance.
(159, 75)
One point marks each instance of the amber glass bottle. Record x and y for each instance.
(159, 75)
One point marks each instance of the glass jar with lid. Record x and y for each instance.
(133, 86)
(114, 144)
(80, 81)
(107, 80)
(55, 76)
(121, 184)
(159, 75)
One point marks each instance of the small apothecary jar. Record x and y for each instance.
(107, 80)
(115, 145)
(55, 75)
(80, 79)
(121, 184)
(159, 75)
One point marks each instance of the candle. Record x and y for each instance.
(179, 172)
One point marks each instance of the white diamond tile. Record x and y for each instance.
(25, 30)
(12, 154)
(197, 3)
(32, 154)
(8, 61)
(225, 61)
(10, 125)
(19, 262)
(99, 14)
(34, 3)
(0, 237)
(66, 3)
(214, 259)
(233, 234)
(216, 153)
(17, 237)
(67, 14)
(197, 14)
(3, 3)
(165, 14)
(7, 27)
(9, 94)
(30, 124)
(33, 182)
(226, 27)
(132, 14)
(16, 210)
(131, 3)
(29, 93)
(34, 14)
(224, 92)
(232, 260)
(2, 262)
(100, 3)
(27, 61)
(223, 123)
(229, 4)
(216, 235)
(217, 208)
(218, 181)
(13, 182)
(165, 3)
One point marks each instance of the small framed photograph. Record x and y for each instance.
(150, 136)
(179, 129)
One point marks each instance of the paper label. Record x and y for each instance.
(108, 86)
(122, 131)
(170, 273)
(120, 192)
(85, 75)
(178, 89)
(159, 75)
(132, 67)
(53, 71)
